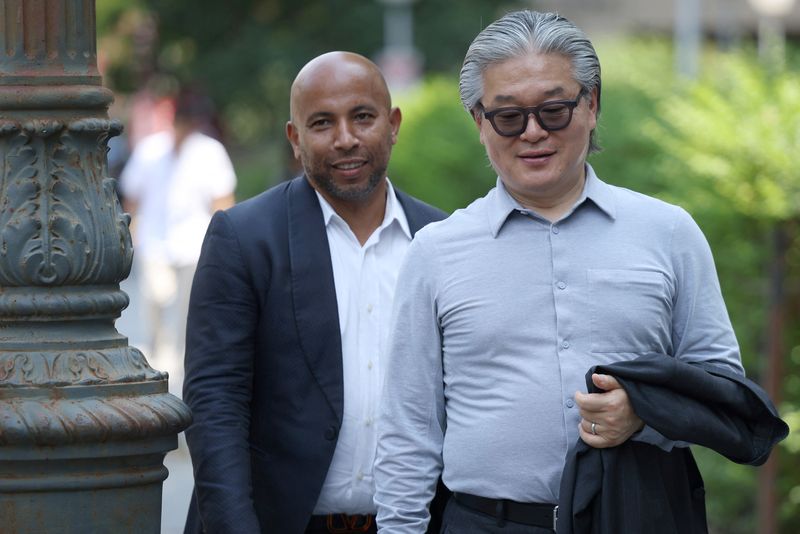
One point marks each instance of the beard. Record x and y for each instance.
(356, 193)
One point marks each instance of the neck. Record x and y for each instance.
(364, 216)
(552, 207)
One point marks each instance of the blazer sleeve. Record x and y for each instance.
(220, 343)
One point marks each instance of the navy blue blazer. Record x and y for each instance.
(264, 362)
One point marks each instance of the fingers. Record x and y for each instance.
(611, 412)
(612, 400)
(598, 440)
(605, 382)
(603, 435)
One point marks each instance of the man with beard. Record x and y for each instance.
(289, 316)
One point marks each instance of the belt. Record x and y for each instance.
(341, 523)
(527, 513)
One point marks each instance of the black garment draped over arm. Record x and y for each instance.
(637, 487)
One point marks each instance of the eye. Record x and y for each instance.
(553, 110)
(319, 124)
(510, 116)
(364, 116)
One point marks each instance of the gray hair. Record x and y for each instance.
(521, 32)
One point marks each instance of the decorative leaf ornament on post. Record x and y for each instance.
(85, 422)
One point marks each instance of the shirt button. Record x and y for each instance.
(369, 365)
(561, 285)
(360, 476)
(570, 403)
(565, 344)
(368, 422)
(554, 229)
(369, 308)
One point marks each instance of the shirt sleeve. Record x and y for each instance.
(412, 421)
(701, 327)
(220, 345)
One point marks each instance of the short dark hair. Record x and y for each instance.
(193, 104)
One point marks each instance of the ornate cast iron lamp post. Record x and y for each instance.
(85, 422)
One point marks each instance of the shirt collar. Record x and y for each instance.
(600, 193)
(393, 212)
(501, 204)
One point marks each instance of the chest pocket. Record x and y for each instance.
(631, 311)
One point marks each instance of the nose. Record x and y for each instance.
(345, 139)
(533, 130)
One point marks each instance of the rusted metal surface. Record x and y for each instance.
(85, 422)
(52, 41)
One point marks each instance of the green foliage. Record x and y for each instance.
(738, 132)
(725, 148)
(729, 141)
(108, 12)
(443, 33)
(634, 79)
(438, 156)
(246, 52)
(730, 493)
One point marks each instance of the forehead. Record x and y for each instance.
(532, 76)
(338, 89)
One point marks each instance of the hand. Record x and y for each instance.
(611, 412)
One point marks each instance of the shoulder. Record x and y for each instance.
(657, 220)
(267, 205)
(469, 224)
(419, 208)
(200, 141)
(646, 208)
(154, 145)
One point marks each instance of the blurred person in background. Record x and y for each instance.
(289, 317)
(173, 182)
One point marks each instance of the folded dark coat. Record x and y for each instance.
(640, 488)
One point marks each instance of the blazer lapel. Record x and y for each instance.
(313, 292)
(416, 219)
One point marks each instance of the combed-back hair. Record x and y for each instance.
(522, 32)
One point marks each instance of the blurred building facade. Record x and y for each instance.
(723, 19)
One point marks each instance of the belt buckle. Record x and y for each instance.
(351, 523)
(555, 517)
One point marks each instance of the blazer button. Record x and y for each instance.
(331, 432)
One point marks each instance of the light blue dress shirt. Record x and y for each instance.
(497, 318)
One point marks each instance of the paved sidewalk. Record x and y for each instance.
(177, 488)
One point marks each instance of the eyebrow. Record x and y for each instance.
(501, 99)
(327, 114)
(364, 107)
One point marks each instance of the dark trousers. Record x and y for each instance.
(459, 519)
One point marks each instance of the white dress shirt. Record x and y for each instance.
(365, 278)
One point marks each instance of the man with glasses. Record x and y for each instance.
(506, 304)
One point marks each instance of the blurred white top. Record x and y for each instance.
(174, 193)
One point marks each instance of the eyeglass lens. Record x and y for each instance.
(552, 117)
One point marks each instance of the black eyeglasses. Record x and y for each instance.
(551, 116)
